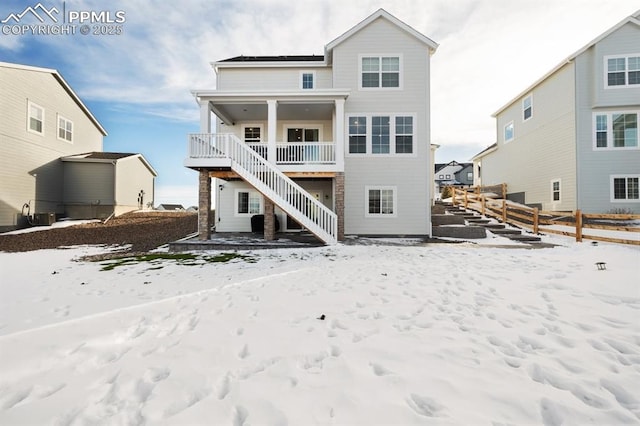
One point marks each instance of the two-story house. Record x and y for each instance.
(570, 140)
(336, 143)
(51, 154)
(453, 174)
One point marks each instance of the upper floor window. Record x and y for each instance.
(623, 71)
(508, 132)
(404, 135)
(527, 108)
(307, 80)
(555, 190)
(380, 71)
(35, 118)
(357, 135)
(613, 130)
(381, 134)
(252, 134)
(65, 129)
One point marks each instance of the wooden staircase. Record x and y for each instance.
(266, 178)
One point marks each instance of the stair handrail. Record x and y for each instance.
(271, 182)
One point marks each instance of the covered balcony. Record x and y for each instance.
(301, 131)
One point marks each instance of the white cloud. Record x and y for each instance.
(489, 50)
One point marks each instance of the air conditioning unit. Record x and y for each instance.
(44, 219)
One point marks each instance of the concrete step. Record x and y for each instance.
(492, 226)
(478, 220)
(468, 232)
(446, 219)
(506, 232)
(524, 238)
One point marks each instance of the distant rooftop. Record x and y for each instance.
(282, 58)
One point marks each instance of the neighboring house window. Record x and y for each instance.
(469, 176)
(614, 130)
(555, 190)
(448, 176)
(65, 129)
(527, 108)
(35, 118)
(623, 71)
(248, 203)
(357, 135)
(404, 135)
(376, 135)
(380, 71)
(307, 80)
(441, 177)
(625, 188)
(381, 201)
(508, 132)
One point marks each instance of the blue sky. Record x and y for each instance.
(138, 83)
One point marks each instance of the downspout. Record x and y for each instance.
(115, 185)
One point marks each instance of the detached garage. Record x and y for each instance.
(99, 184)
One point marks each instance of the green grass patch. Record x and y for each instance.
(156, 260)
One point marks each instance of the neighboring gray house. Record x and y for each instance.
(171, 207)
(336, 143)
(99, 184)
(453, 174)
(42, 120)
(570, 140)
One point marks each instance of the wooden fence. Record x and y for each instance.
(492, 202)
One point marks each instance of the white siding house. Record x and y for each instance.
(570, 140)
(42, 120)
(336, 143)
(99, 184)
(44, 128)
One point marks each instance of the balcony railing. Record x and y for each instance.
(213, 146)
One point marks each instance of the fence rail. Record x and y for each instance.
(492, 202)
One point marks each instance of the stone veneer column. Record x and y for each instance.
(339, 200)
(269, 221)
(204, 205)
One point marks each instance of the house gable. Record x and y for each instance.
(379, 14)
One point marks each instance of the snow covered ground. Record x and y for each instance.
(440, 334)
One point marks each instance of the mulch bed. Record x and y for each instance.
(138, 232)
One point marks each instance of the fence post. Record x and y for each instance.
(483, 201)
(453, 195)
(504, 211)
(579, 225)
(504, 191)
(535, 220)
(466, 198)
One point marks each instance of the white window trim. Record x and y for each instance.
(235, 202)
(381, 55)
(559, 200)
(29, 129)
(530, 96)
(380, 215)
(392, 135)
(260, 126)
(313, 73)
(504, 132)
(611, 189)
(605, 72)
(610, 146)
(58, 128)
